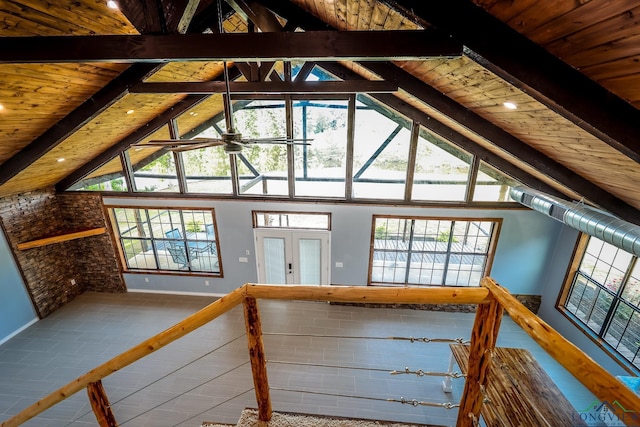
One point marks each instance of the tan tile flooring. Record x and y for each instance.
(313, 368)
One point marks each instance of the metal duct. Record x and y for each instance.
(586, 219)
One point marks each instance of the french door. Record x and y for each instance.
(287, 257)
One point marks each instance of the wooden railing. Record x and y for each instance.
(491, 298)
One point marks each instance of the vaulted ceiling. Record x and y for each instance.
(70, 71)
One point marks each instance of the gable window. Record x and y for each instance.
(431, 251)
(173, 240)
(602, 296)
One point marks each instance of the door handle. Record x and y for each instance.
(290, 268)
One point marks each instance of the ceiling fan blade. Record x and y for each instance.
(189, 147)
(276, 141)
(173, 142)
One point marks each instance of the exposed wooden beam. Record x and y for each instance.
(146, 15)
(446, 133)
(256, 13)
(208, 18)
(142, 132)
(530, 67)
(503, 139)
(296, 16)
(351, 86)
(73, 121)
(103, 99)
(311, 45)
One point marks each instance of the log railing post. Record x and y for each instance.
(483, 340)
(100, 405)
(258, 359)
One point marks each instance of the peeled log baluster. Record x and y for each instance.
(100, 405)
(483, 340)
(258, 359)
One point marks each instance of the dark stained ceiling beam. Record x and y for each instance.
(531, 68)
(505, 141)
(256, 13)
(323, 45)
(208, 18)
(296, 16)
(452, 109)
(73, 121)
(445, 132)
(86, 111)
(249, 70)
(142, 132)
(280, 87)
(146, 15)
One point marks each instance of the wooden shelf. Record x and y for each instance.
(61, 238)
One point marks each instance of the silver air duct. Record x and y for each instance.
(586, 219)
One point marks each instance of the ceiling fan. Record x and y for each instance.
(231, 141)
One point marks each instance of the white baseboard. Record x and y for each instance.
(17, 331)
(197, 294)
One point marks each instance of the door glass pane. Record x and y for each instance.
(274, 260)
(310, 253)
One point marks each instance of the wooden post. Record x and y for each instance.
(599, 381)
(258, 359)
(100, 405)
(483, 340)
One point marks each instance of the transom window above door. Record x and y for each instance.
(298, 220)
(431, 251)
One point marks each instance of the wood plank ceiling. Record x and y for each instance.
(582, 143)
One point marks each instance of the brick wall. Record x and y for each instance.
(48, 270)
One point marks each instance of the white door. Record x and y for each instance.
(287, 257)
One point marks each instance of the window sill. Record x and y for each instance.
(598, 341)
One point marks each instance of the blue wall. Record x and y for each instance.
(556, 272)
(16, 309)
(526, 241)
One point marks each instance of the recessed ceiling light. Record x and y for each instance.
(61, 159)
(1, 106)
(131, 111)
(112, 4)
(510, 105)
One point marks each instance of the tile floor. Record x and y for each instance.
(210, 376)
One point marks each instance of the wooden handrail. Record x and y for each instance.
(372, 294)
(601, 383)
(606, 387)
(135, 353)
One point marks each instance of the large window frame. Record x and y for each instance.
(601, 297)
(344, 177)
(433, 246)
(172, 240)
